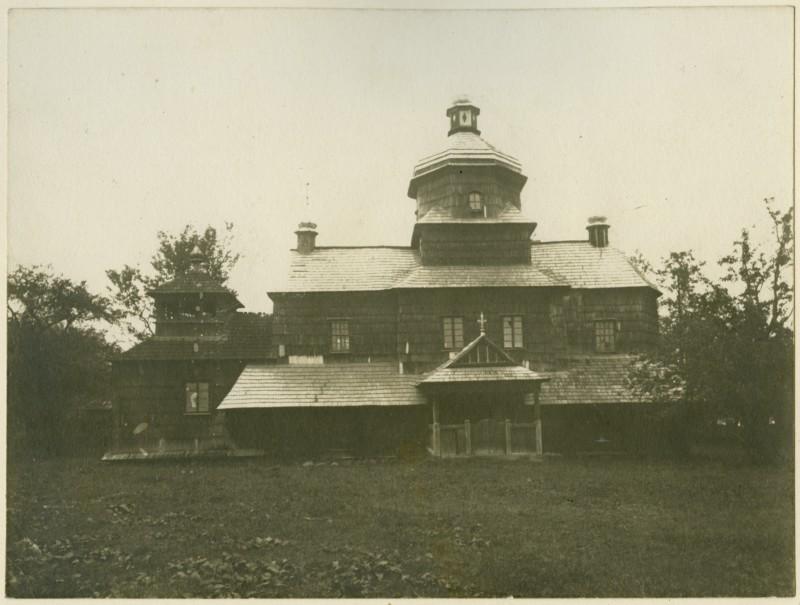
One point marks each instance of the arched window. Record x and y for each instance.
(475, 204)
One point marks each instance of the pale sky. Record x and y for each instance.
(675, 123)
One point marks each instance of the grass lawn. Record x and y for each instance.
(562, 528)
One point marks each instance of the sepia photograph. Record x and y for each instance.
(392, 303)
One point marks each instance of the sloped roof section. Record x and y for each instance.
(477, 276)
(248, 336)
(327, 385)
(191, 282)
(481, 361)
(591, 379)
(466, 148)
(575, 264)
(483, 374)
(582, 265)
(348, 269)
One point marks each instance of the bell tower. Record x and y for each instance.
(194, 305)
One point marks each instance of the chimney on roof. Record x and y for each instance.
(598, 231)
(306, 237)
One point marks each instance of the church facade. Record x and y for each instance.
(476, 339)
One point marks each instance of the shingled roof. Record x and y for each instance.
(466, 148)
(585, 266)
(479, 276)
(327, 385)
(495, 366)
(191, 282)
(349, 269)
(575, 264)
(248, 336)
(599, 379)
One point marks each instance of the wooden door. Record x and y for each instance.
(488, 437)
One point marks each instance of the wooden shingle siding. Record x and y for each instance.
(420, 312)
(302, 322)
(449, 187)
(381, 323)
(241, 336)
(153, 392)
(478, 244)
(634, 309)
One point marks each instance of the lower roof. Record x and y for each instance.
(326, 385)
(591, 379)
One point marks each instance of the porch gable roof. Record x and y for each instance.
(460, 368)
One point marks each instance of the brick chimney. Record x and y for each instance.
(598, 231)
(306, 237)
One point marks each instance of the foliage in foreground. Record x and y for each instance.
(58, 357)
(727, 346)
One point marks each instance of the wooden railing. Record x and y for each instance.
(459, 439)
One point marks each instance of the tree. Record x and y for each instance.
(58, 357)
(726, 347)
(129, 285)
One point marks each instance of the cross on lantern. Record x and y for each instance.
(482, 323)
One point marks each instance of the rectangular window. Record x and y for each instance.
(340, 336)
(453, 328)
(605, 336)
(512, 332)
(197, 399)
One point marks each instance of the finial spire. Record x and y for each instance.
(482, 323)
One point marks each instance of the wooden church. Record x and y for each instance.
(473, 340)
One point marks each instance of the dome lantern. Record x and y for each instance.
(463, 116)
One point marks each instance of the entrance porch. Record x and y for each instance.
(484, 403)
(487, 424)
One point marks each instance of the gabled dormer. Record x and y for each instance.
(193, 305)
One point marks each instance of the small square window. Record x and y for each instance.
(512, 332)
(340, 336)
(453, 328)
(605, 336)
(197, 399)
